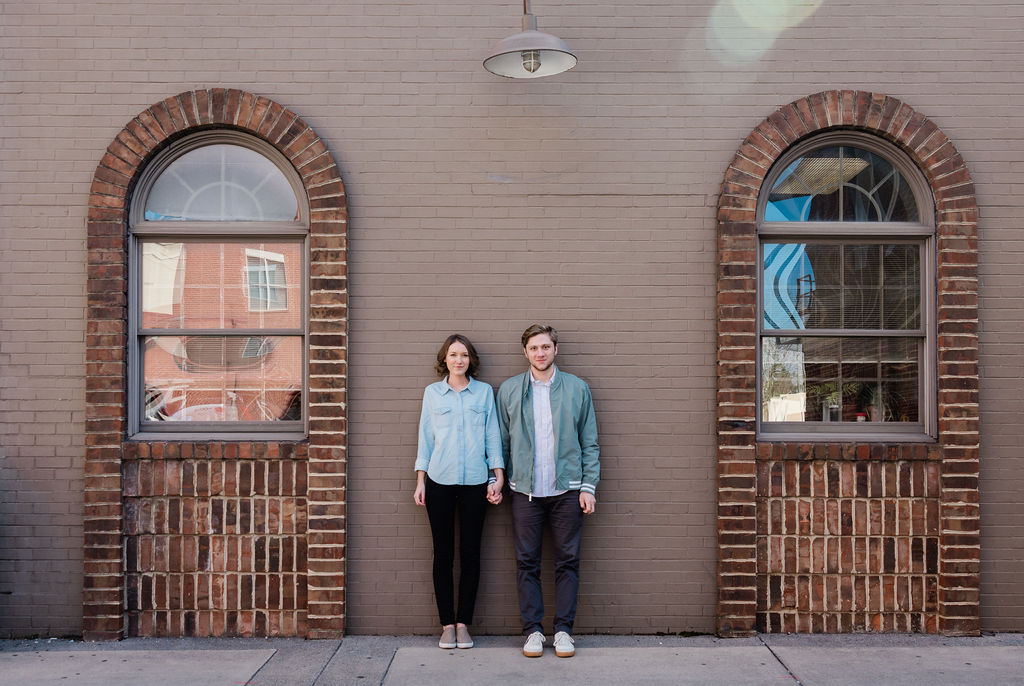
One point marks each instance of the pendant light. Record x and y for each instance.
(530, 54)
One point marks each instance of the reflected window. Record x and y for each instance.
(221, 182)
(218, 306)
(268, 287)
(845, 323)
(841, 183)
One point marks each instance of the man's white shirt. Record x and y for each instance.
(544, 439)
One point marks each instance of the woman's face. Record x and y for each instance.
(457, 359)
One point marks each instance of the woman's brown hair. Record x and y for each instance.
(441, 366)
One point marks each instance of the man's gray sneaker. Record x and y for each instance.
(564, 645)
(534, 646)
(462, 637)
(447, 638)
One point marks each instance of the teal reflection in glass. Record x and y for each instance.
(787, 284)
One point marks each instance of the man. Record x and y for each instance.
(549, 439)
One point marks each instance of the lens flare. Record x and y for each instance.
(742, 31)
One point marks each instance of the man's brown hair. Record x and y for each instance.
(536, 329)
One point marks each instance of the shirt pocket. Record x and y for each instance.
(443, 416)
(477, 415)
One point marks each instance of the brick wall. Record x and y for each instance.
(162, 518)
(588, 199)
(215, 538)
(805, 537)
(848, 542)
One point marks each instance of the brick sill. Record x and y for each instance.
(859, 438)
(218, 438)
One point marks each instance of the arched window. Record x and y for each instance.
(218, 274)
(846, 261)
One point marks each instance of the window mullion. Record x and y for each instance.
(842, 285)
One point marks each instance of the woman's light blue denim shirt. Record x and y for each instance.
(459, 438)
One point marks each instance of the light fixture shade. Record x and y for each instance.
(530, 54)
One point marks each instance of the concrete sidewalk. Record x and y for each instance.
(889, 660)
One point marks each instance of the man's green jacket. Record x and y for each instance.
(577, 454)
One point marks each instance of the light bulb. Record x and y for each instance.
(531, 60)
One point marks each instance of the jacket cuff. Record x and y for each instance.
(589, 488)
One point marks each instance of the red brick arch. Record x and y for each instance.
(158, 556)
(932, 587)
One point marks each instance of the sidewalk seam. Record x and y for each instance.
(387, 669)
(326, 662)
(781, 662)
(265, 663)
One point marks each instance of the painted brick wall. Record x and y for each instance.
(588, 199)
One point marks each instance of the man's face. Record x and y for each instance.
(541, 351)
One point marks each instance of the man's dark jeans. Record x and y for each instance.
(565, 516)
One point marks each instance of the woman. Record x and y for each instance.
(459, 469)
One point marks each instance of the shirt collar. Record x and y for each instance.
(550, 381)
(447, 386)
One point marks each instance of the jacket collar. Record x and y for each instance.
(556, 381)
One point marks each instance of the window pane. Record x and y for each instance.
(862, 287)
(902, 287)
(222, 183)
(808, 190)
(880, 286)
(841, 184)
(221, 285)
(861, 265)
(800, 283)
(163, 277)
(267, 283)
(832, 379)
(222, 378)
(875, 191)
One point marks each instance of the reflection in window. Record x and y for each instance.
(268, 288)
(840, 379)
(835, 286)
(196, 284)
(842, 320)
(222, 378)
(206, 353)
(218, 328)
(163, 278)
(841, 183)
(832, 285)
(221, 183)
(192, 286)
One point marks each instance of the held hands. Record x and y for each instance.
(494, 489)
(588, 502)
(494, 497)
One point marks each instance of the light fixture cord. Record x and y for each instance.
(526, 6)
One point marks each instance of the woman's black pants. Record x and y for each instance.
(444, 504)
